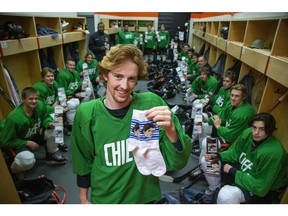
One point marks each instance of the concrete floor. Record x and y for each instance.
(62, 175)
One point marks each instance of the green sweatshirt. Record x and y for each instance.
(201, 89)
(183, 54)
(138, 38)
(263, 169)
(70, 81)
(98, 146)
(220, 100)
(234, 121)
(19, 128)
(92, 68)
(164, 39)
(48, 95)
(149, 38)
(193, 68)
(124, 37)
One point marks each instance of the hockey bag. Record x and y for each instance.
(40, 190)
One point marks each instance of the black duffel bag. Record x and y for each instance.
(39, 190)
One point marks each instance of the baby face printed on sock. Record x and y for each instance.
(136, 130)
(148, 130)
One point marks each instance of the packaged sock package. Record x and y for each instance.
(58, 122)
(213, 166)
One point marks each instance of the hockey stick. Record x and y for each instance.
(276, 103)
(7, 98)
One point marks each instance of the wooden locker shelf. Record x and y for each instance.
(112, 30)
(73, 36)
(52, 23)
(221, 43)
(275, 69)
(11, 47)
(234, 48)
(47, 41)
(213, 40)
(256, 58)
(25, 51)
(208, 37)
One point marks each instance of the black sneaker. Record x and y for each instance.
(53, 159)
(69, 130)
(63, 147)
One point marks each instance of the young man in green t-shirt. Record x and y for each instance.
(255, 167)
(193, 66)
(89, 65)
(70, 80)
(229, 124)
(125, 36)
(149, 44)
(99, 142)
(47, 89)
(22, 133)
(138, 38)
(218, 101)
(163, 41)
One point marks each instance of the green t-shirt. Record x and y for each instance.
(48, 95)
(139, 38)
(263, 169)
(164, 39)
(234, 121)
(203, 88)
(71, 82)
(150, 39)
(183, 54)
(92, 68)
(220, 100)
(125, 38)
(19, 128)
(193, 68)
(98, 146)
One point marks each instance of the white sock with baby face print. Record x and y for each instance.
(144, 136)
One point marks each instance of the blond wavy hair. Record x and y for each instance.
(118, 55)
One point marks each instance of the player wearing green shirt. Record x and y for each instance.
(193, 66)
(47, 89)
(234, 118)
(163, 37)
(70, 80)
(138, 38)
(89, 64)
(22, 132)
(229, 124)
(184, 52)
(102, 127)
(256, 165)
(149, 43)
(222, 98)
(163, 41)
(48, 93)
(125, 36)
(204, 84)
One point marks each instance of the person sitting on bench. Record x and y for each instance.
(256, 166)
